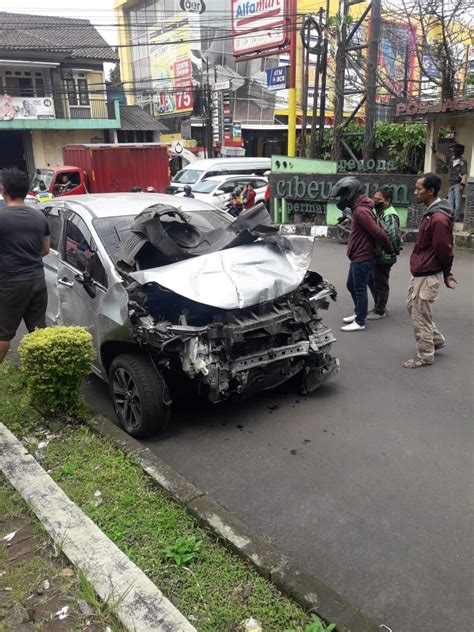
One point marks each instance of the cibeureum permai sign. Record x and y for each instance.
(311, 192)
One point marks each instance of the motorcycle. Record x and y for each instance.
(344, 225)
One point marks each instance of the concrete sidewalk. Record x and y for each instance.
(138, 603)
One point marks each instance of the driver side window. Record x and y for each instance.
(81, 252)
(54, 221)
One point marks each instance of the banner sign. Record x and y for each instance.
(258, 25)
(26, 108)
(277, 78)
(171, 64)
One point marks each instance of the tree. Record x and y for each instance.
(114, 76)
(443, 32)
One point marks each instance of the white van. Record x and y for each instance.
(201, 169)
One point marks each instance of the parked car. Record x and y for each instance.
(217, 190)
(177, 294)
(199, 170)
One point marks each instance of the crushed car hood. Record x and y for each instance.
(238, 277)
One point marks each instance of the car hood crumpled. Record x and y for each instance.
(238, 277)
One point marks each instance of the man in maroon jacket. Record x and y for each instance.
(430, 263)
(365, 234)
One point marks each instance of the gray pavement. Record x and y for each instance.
(367, 482)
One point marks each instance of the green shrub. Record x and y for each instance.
(53, 363)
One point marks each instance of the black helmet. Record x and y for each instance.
(457, 148)
(346, 190)
(187, 188)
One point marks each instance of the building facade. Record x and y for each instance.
(52, 88)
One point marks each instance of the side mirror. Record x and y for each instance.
(87, 282)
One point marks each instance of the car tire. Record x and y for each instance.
(140, 395)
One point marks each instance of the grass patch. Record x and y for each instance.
(214, 588)
(22, 579)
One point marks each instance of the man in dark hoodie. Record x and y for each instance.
(430, 263)
(365, 234)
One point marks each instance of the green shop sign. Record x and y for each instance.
(312, 189)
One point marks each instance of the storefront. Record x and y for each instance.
(448, 121)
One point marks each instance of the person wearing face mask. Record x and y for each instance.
(380, 273)
(364, 236)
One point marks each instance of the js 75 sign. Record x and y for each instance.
(258, 25)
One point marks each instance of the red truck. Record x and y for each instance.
(104, 168)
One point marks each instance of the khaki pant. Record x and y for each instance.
(422, 292)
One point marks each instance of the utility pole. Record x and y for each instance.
(292, 86)
(206, 99)
(324, 68)
(339, 79)
(318, 29)
(305, 38)
(344, 49)
(368, 147)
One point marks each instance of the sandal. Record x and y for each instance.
(416, 363)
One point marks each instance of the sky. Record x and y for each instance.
(88, 10)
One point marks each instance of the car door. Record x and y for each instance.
(259, 184)
(51, 263)
(222, 194)
(82, 277)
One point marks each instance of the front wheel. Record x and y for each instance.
(140, 395)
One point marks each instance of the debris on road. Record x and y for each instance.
(63, 613)
(251, 625)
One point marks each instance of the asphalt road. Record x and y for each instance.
(367, 482)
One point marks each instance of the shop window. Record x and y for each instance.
(71, 91)
(83, 92)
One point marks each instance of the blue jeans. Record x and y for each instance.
(455, 199)
(357, 282)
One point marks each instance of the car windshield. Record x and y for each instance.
(113, 230)
(187, 176)
(206, 186)
(41, 178)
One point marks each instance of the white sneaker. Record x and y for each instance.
(353, 327)
(349, 319)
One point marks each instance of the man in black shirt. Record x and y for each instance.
(24, 241)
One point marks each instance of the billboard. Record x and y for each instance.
(30, 108)
(396, 59)
(171, 65)
(258, 25)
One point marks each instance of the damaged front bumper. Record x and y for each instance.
(242, 351)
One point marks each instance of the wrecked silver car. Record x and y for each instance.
(178, 294)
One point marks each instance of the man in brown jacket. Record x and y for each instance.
(430, 263)
(365, 234)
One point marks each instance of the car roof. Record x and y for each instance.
(207, 163)
(116, 204)
(230, 176)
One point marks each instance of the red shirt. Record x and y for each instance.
(249, 199)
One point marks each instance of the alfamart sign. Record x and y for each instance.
(258, 25)
(306, 193)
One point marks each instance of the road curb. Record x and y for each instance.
(288, 576)
(462, 240)
(136, 601)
